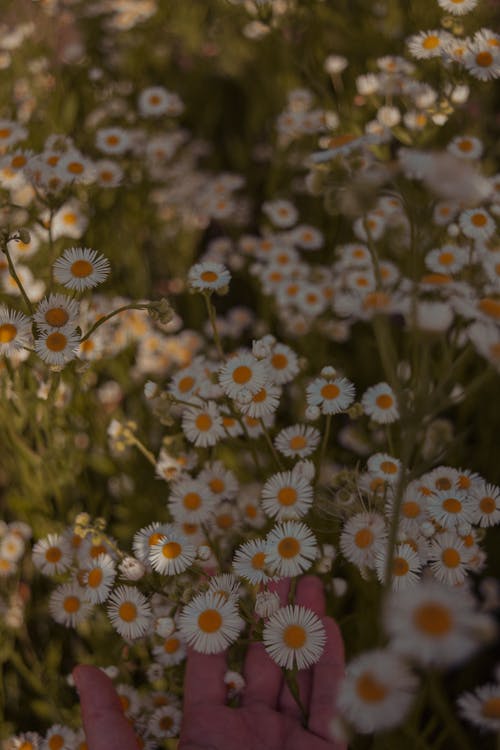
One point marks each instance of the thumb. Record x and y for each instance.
(106, 727)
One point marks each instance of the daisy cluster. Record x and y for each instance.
(332, 257)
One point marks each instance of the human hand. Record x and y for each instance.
(268, 717)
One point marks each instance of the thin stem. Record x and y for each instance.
(291, 681)
(16, 278)
(270, 444)
(213, 322)
(142, 448)
(324, 443)
(440, 703)
(111, 315)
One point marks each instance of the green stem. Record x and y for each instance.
(104, 318)
(16, 278)
(324, 444)
(213, 322)
(270, 444)
(142, 448)
(291, 681)
(440, 703)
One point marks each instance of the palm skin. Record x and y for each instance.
(268, 717)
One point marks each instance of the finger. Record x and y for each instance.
(106, 727)
(309, 594)
(327, 675)
(204, 680)
(263, 678)
(281, 587)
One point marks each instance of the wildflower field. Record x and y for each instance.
(249, 332)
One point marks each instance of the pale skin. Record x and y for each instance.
(268, 717)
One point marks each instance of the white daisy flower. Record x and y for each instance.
(112, 140)
(165, 722)
(202, 424)
(482, 61)
(172, 554)
(385, 467)
(434, 624)
(69, 221)
(377, 691)
(286, 495)
(221, 481)
(148, 536)
(485, 501)
(154, 101)
(20, 250)
(73, 167)
(482, 707)
(291, 549)
(448, 559)
(210, 623)
(226, 585)
(465, 147)
(12, 546)
(283, 364)
(56, 311)
(98, 578)
(208, 276)
(331, 396)
(457, 7)
(59, 737)
(67, 605)
(294, 637)
(250, 561)
(129, 612)
(298, 441)
(446, 259)
(108, 173)
(405, 569)
(477, 224)
(362, 538)
(282, 213)
(81, 268)
(379, 402)
(190, 501)
(15, 331)
(11, 132)
(449, 508)
(57, 346)
(307, 237)
(264, 402)
(171, 651)
(53, 554)
(427, 44)
(243, 371)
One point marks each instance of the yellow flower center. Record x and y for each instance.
(452, 505)
(487, 504)
(71, 604)
(389, 467)
(8, 333)
(70, 218)
(431, 42)
(484, 59)
(186, 383)
(53, 554)
(411, 509)
(298, 442)
(433, 619)
(287, 496)
(210, 621)
(363, 538)
(479, 220)
(56, 316)
(56, 742)
(242, 374)
(279, 361)
(75, 167)
(330, 391)
(490, 307)
(171, 550)
(288, 547)
(384, 401)
(192, 501)
(260, 396)
(209, 276)
(171, 645)
(5, 132)
(450, 557)
(294, 636)
(203, 422)
(112, 140)
(216, 485)
(155, 538)
(56, 342)
(400, 566)
(258, 560)
(128, 611)
(81, 269)
(94, 578)
(491, 708)
(369, 689)
(18, 161)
